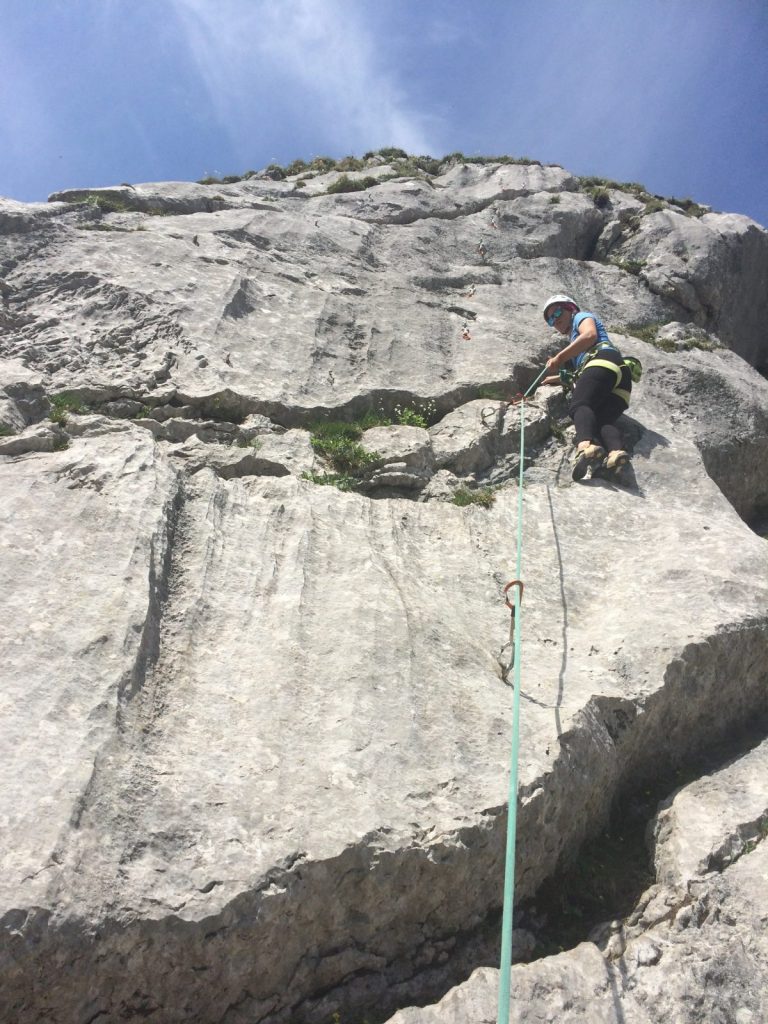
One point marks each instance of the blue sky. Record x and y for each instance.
(670, 93)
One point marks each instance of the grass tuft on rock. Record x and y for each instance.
(629, 266)
(649, 333)
(339, 444)
(341, 481)
(64, 403)
(483, 496)
(347, 184)
(601, 197)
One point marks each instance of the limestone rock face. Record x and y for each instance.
(256, 669)
(714, 266)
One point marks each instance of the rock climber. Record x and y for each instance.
(602, 384)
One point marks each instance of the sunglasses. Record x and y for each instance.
(554, 316)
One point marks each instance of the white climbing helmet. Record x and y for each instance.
(553, 300)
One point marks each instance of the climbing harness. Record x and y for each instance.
(592, 358)
(516, 586)
(617, 389)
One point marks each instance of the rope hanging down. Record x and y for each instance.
(509, 869)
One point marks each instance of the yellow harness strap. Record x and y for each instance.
(618, 390)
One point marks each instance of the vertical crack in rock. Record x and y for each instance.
(134, 681)
(160, 562)
(196, 508)
(126, 779)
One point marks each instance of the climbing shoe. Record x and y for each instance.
(588, 456)
(616, 461)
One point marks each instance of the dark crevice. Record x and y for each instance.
(148, 651)
(610, 872)
(758, 521)
(160, 562)
(740, 470)
(227, 406)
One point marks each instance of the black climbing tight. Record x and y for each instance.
(594, 409)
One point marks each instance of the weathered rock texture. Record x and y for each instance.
(256, 729)
(694, 949)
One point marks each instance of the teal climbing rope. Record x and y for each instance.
(509, 868)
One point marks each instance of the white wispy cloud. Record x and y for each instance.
(320, 57)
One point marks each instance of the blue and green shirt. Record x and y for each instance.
(603, 341)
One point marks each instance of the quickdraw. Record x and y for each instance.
(493, 417)
(514, 583)
(511, 642)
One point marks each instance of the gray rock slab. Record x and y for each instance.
(19, 218)
(11, 420)
(713, 821)
(441, 486)
(714, 266)
(170, 198)
(266, 455)
(718, 401)
(472, 437)
(462, 190)
(573, 988)
(82, 532)
(177, 428)
(206, 299)
(505, 181)
(464, 440)
(22, 394)
(404, 456)
(686, 336)
(33, 439)
(91, 424)
(234, 773)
